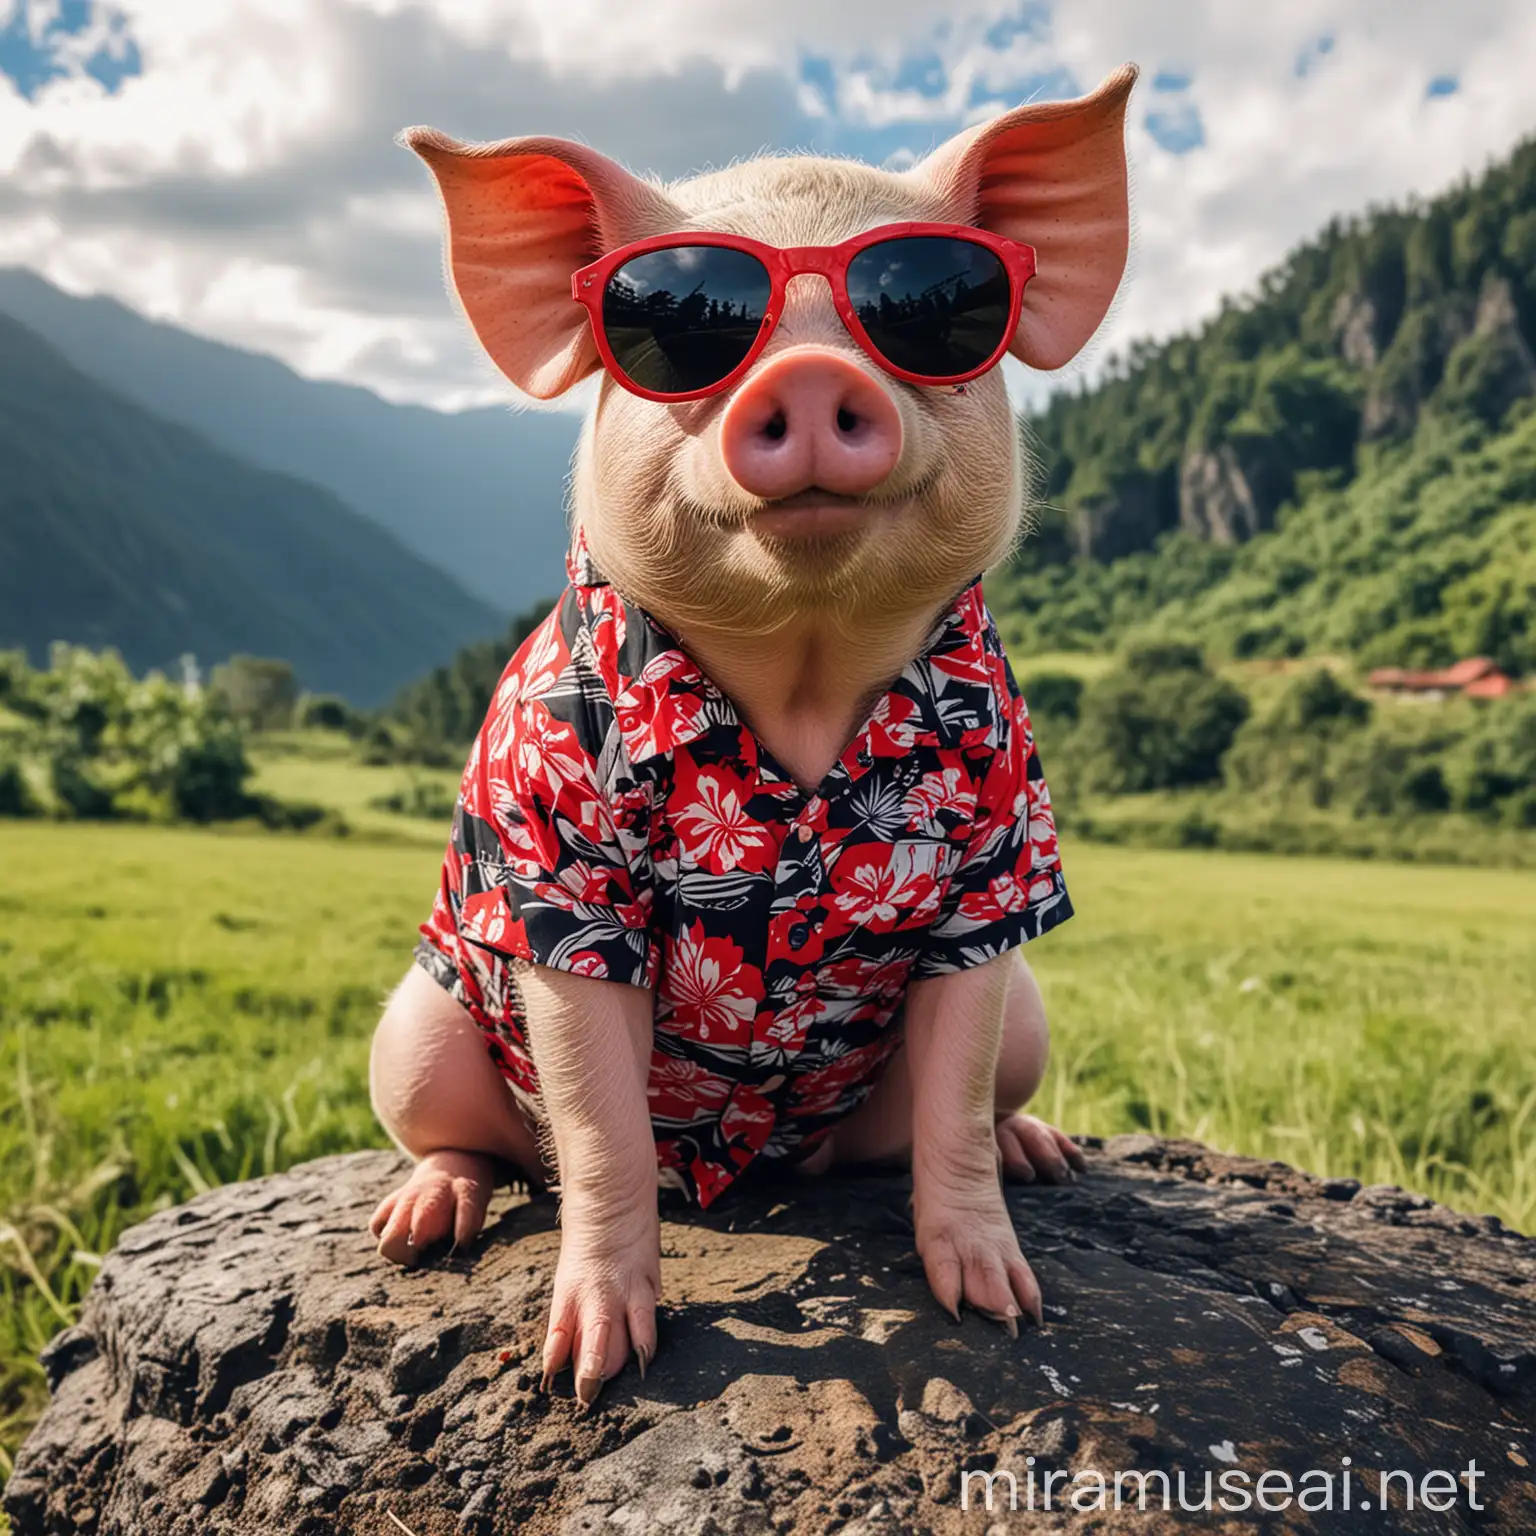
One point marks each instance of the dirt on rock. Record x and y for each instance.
(246, 1363)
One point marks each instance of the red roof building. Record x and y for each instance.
(1477, 677)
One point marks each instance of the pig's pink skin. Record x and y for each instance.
(802, 613)
(811, 420)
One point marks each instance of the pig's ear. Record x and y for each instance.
(1053, 176)
(523, 215)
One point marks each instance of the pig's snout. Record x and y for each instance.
(810, 418)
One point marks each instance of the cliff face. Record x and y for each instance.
(1217, 497)
(246, 1363)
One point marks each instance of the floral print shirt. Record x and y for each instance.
(618, 819)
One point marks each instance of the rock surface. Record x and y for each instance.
(246, 1363)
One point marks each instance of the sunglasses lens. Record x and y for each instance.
(931, 304)
(682, 319)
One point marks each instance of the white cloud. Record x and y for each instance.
(245, 184)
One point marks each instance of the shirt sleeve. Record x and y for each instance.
(1008, 887)
(551, 860)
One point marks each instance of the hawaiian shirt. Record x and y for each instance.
(618, 819)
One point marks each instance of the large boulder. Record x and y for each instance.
(245, 1363)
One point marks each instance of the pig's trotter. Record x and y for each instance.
(971, 1255)
(604, 1303)
(445, 1198)
(1029, 1149)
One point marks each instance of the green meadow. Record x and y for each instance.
(181, 1007)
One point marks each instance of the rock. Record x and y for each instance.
(1355, 324)
(1225, 500)
(1127, 517)
(246, 1363)
(1493, 367)
(1412, 366)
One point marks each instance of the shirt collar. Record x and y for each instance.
(579, 564)
(941, 680)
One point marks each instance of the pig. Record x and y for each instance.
(755, 828)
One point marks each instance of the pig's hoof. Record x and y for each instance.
(1032, 1151)
(444, 1199)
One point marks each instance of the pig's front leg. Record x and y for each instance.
(591, 1043)
(964, 1233)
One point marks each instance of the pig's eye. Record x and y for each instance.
(682, 319)
(931, 305)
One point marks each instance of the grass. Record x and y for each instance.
(179, 1008)
(322, 767)
(1226, 819)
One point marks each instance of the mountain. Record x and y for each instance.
(480, 494)
(1343, 461)
(119, 528)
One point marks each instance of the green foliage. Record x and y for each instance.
(327, 712)
(446, 708)
(257, 691)
(1375, 398)
(1491, 769)
(1286, 753)
(108, 745)
(1392, 770)
(1053, 695)
(16, 797)
(421, 798)
(1485, 376)
(1429, 555)
(1161, 720)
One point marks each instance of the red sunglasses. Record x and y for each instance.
(678, 317)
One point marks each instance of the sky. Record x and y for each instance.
(230, 165)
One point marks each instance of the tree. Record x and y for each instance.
(257, 691)
(1160, 720)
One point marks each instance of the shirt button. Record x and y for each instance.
(804, 833)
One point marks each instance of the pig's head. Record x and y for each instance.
(817, 483)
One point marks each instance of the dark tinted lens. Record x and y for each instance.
(682, 319)
(931, 305)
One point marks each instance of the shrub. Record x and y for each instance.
(16, 797)
(207, 778)
(1148, 658)
(259, 692)
(1496, 762)
(420, 798)
(1392, 771)
(77, 790)
(1058, 695)
(327, 712)
(1287, 753)
(1159, 721)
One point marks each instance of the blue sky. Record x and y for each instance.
(229, 165)
(47, 43)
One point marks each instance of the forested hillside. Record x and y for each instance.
(120, 529)
(1344, 460)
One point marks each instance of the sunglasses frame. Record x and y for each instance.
(590, 283)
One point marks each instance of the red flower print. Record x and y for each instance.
(707, 988)
(946, 790)
(747, 1117)
(653, 714)
(487, 919)
(875, 893)
(716, 831)
(679, 1088)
